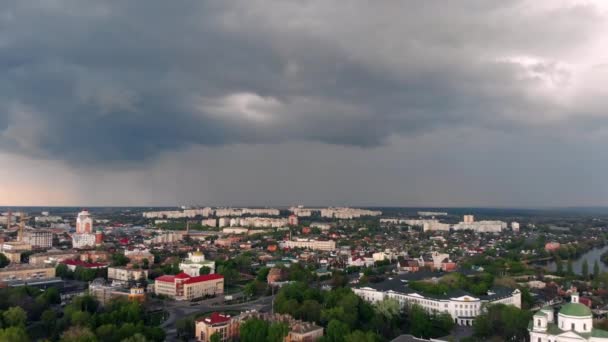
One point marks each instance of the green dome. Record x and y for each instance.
(575, 309)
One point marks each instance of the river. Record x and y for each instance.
(577, 265)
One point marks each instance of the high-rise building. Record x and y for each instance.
(293, 220)
(84, 223)
(39, 238)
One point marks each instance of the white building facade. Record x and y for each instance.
(463, 307)
(574, 323)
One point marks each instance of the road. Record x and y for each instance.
(181, 309)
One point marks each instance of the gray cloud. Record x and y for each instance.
(160, 102)
(109, 81)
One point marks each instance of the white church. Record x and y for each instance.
(574, 323)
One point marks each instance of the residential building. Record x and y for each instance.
(211, 222)
(215, 324)
(83, 240)
(434, 225)
(26, 272)
(105, 292)
(137, 256)
(72, 264)
(52, 257)
(184, 287)
(515, 226)
(462, 306)
(293, 220)
(322, 245)
(227, 327)
(39, 238)
(574, 323)
(13, 249)
(125, 274)
(481, 226)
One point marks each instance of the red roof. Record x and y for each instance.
(205, 277)
(189, 279)
(80, 263)
(166, 278)
(215, 318)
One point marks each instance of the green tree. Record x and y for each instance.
(596, 272)
(502, 320)
(254, 330)
(135, 338)
(204, 270)
(78, 334)
(360, 336)
(262, 274)
(421, 325)
(145, 263)
(62, 271)
(4, 260)
(215, 338)
(107, 332)
(14, 334)
(277, 332)
(310, 311)
(48, 318)
(388, 308)
(569, 269)
(80, 318)
(336, 331)
(229, 272)
(119, 259)
(185, 327)
(15, 317)
(585, 269)
(52, 295)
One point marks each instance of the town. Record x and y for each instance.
(303, 274)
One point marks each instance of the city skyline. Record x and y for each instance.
(264, 103)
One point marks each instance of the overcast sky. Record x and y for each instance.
(315, 102)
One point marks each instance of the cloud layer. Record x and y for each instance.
(122, 85)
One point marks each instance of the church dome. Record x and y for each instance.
(576, 310)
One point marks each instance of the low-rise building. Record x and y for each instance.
(52, 257)
(227, 327)
(184, 287)
(72, 264)
(26, 272)
(137, 256)
(125, 274)
(105, 292)
(462, 306)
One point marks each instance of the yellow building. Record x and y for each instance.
(26, 272)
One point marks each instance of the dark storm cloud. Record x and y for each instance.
(115, 81)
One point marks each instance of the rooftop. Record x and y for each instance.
(575, 309)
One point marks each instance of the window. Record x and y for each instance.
(572, 326)
(538, 322)
(539, 340)
(584, 326)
